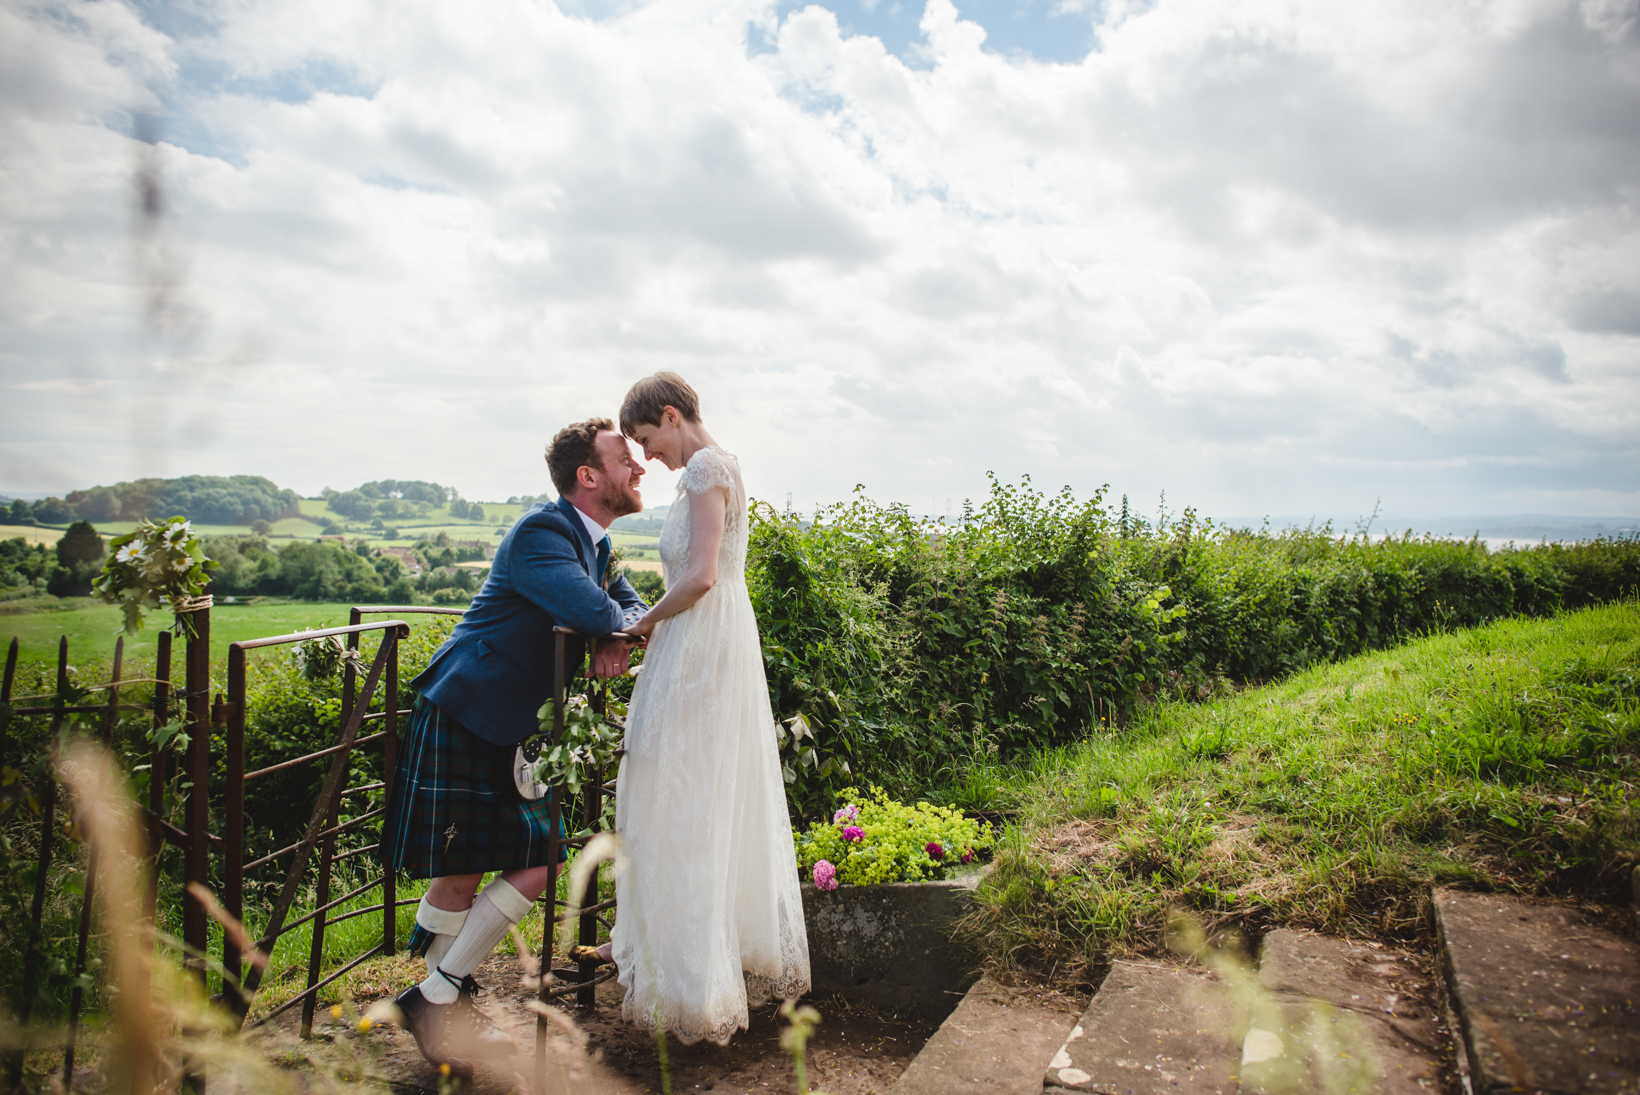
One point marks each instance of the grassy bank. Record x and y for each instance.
(1504, 758)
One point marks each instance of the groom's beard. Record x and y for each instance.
(622, 500)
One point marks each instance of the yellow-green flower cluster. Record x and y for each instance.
(897, 841)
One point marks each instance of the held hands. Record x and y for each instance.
(611, 657)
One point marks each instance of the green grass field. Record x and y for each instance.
(1505, 758)
(91, 628)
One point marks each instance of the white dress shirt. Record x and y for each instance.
(594, 529)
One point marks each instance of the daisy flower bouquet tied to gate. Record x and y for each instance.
(874, 839)
(155, 564)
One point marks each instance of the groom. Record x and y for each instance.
(457, 813)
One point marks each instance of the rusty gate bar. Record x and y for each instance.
(319, 824)
(48, 820)
(5, 699)
(89, 892)
(196, 868)
(233, 831)
(587, 936)
(390, 761)
(321, 904)
(157, 771)
(586, 903)
(549, 919)
(327, 851)
(390, 767)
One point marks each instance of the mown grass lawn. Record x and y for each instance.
(1503, 758)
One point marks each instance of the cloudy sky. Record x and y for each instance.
(1269, 256)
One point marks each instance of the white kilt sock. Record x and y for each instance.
(498, 908)
(445, 926)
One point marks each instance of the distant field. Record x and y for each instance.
(295, 527)
(30, 533)
(639, 546)
(454, 530)
(91, 628)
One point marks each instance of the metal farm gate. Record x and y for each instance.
(366, 724)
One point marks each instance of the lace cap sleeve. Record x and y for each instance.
(708, 468)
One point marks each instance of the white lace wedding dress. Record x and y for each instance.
(710, 918)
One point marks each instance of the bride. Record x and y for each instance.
(711, 918)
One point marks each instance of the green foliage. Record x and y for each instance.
(891, 842)
(80, 553)
(649, 584)
(586, 751)
(317, 571)
(921, 650)
(23, 564)
(324, 657)
(154, 564)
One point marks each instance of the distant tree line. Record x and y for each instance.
(332, 571)
(207, 499)
(396, 499)
(249, 565)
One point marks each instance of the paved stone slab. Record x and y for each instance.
(1545, 999)
(1153, 1029)
(1339, 1016)
(995, 1043)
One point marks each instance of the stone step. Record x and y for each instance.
(1319, 1015)
(994, 1043)
(1544, 999)
(1153, 1029)
(1335, 1016)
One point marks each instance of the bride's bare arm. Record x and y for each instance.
(707, 510)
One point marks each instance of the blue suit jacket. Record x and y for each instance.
(495, 670)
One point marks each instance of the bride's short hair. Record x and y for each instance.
(647, 399)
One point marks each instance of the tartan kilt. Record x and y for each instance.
(455, 809)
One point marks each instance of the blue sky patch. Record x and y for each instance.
(1040, 29)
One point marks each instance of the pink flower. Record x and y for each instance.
(935, 851)
(968, 856)
(847, 813)
(853, 832)
(825, 876)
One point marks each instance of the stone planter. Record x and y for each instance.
(890, 945)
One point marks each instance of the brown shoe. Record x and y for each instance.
(431, 1026)
(480, 1031)
(594, 955)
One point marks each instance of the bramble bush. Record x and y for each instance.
(917, 650)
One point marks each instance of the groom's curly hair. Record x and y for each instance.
(572, 448)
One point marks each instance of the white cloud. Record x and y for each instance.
(1267, 256)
